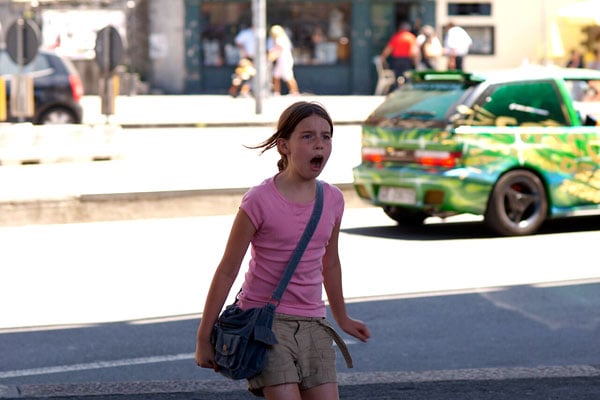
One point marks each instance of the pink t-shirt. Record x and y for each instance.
(279, 225)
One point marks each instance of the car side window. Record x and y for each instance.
(9, 67)
(521, 103)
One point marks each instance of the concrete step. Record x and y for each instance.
(25, 143)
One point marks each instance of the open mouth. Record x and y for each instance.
(316, 162)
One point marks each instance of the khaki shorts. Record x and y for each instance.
(304, 355)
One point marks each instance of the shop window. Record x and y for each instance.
(483, 39)
(461, 9)
(320, 32)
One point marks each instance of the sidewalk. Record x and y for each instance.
(221, 111)
(99, 138)
(96, 138)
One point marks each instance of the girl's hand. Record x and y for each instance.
(355, 328)
(205, 355)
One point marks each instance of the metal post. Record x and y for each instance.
(18, 93)
(545, 36)
(259, 22)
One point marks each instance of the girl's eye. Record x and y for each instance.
(311, 136)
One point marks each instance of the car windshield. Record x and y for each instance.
(423, 101)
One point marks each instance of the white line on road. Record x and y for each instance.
(95, 365)
(107, 364)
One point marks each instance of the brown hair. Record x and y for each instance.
(288, 121)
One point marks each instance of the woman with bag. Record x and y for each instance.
(272, 217)
(430, 47)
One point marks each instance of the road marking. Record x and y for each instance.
(95, 365)
(107, 364)
(161, 320)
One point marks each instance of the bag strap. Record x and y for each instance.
(302, 244)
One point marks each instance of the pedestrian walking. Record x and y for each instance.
(271, 219)
(241, 78)
(457, 44)
(575, 60)
(281, 55)
(245, 40)
(430, 47)
(402, 49)
(594, 63)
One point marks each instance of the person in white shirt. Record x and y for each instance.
(456, 46)
(246, 42)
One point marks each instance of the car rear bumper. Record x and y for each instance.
(440, 191)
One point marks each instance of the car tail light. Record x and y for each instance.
(373, 154)
(76, 86)
(429, 158)
(437, 158)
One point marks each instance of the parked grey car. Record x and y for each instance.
(57, 88)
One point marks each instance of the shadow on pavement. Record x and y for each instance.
(424, 338)
(471, 229)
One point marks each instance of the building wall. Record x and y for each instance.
(526, 31)
(166, 46)
(510, 47)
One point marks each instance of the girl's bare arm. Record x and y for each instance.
(332, 280)
(240, 236)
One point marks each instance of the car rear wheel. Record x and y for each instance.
(405, 216)
(57, 115)
(518, 204)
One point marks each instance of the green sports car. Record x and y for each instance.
(516, 146)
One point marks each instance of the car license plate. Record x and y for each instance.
(397, 195)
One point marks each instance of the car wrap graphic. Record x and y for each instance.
(568, 159)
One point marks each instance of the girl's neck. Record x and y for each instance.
(295, 188)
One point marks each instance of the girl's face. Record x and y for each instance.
(308, 147)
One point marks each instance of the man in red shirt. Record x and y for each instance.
(402, 49)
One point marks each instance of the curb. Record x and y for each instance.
(179, 193)
(106, 206)
(221, 385)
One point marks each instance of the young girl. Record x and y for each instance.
(281, 55)
(272, 217)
